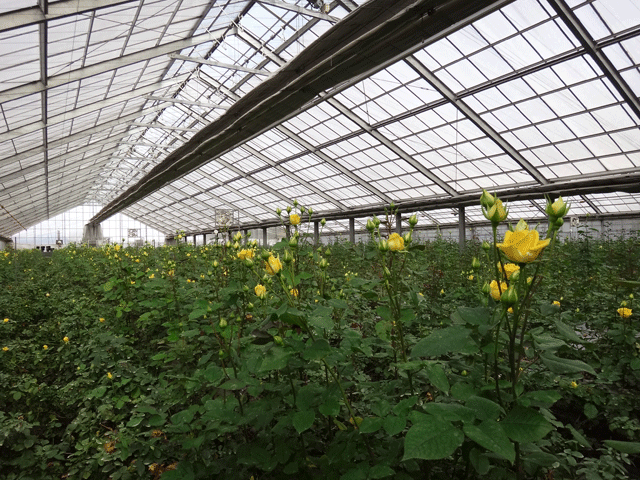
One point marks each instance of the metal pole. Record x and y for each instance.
(461, 228)
(316, 233)
(352, 230)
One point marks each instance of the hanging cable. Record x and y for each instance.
(16, 220)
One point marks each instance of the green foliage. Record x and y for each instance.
(174, 368)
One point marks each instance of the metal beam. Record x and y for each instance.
(108, 65)
(475, 119)
(301, 10)
(229, 66)
(584, 37)
(186, 102)
(160, 126)
(260, 47)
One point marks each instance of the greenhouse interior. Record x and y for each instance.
(319, 239)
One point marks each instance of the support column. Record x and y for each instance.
(288, 230)
(264, 237)
(204, 238)
(244, 236)
(352, 230)
(195, 239)
(461, 229)
(399, 223)
(316, 233)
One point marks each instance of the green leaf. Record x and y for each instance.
(184, 416)
(524, 425)
(193, 443)
(330, 408)
(233, 384)
(431, 439)
(484, 408)
(565, 365)
(354, 474)
(462, 391)
(590, 410)
(157, 420)
(370, 425)
(442, 341)
(578, 436)
(381, 471)
(631, 448)
(490, 435)
(275, 359)
(473, 316)
(318, 349)
(394, 425)
(541, 398)
(303, 420)
(438, 377)
(337, 303)
(384, 312)
(135, 421)
(567, 332)
(325, 323)
(453, 412)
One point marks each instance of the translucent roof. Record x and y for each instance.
(522, 97)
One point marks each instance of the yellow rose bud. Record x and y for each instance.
(487, 200)
(497, 213)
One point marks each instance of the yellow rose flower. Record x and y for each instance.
(522, 246)
(261, 291)
(273, 265)
(65, 339)
(243, 254)
(509, 269)
(556, 302)
(5, 349)
(109, 375)
(496, 292)
(294, 292)
(625, 312)
(396, 242)
(45, 347)
(6, 320)
(101, 320)
(574, 384)
(294, 219)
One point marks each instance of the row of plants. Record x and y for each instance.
(517, 358)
